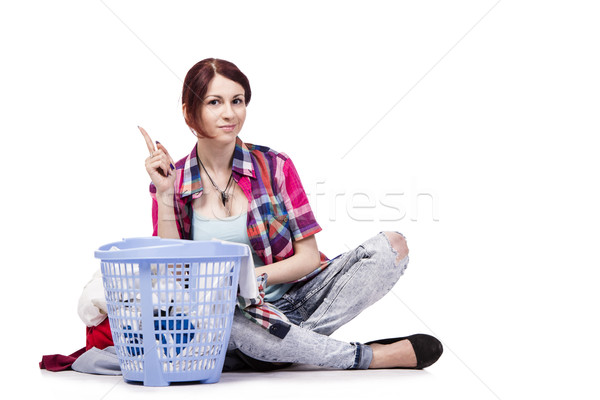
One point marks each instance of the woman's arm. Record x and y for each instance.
(162, 173)
(306, 259)
(165, 218)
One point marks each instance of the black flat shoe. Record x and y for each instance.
(427, 348)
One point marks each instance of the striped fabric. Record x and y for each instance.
(278, 212)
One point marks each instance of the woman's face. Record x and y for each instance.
(223, 109)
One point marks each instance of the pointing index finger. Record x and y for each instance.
(149, 142)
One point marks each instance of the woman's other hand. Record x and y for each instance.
(159, 165)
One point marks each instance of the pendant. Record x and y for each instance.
(224, 198)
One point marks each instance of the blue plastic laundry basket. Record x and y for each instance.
(170, 306)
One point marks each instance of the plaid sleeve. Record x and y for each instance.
(302, 222)
(262, 313)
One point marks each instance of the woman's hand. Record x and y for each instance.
(159, 165)
(162, 172)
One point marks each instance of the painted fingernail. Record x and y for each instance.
(157, 142)
(172, 167)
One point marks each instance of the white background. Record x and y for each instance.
(467, 125)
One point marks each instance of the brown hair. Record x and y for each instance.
(196, 83)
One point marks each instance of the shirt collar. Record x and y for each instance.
(242, 165)
(242, 159)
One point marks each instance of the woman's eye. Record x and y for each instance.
(213, 102)
(237, 101)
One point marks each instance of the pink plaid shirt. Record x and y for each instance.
(278, 211)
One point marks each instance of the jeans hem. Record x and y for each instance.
(362, 357)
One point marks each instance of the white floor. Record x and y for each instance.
(294, 383)
(448, 380)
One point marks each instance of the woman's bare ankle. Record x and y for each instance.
(399, 354)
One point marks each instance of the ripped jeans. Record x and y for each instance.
(317, 308)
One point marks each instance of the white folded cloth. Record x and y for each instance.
(92, 303)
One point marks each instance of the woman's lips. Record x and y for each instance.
(227, 128)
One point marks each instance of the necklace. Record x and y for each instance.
(224, 195)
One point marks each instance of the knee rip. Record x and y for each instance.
(398, 243)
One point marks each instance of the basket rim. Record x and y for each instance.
(153, 247)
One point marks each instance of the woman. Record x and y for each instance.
(232, 190)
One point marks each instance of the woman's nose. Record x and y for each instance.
(227, 111)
